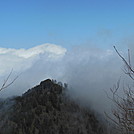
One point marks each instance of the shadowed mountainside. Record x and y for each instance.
(46, 109)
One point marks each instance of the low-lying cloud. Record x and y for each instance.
(89, 71)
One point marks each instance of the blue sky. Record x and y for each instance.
(27, 23)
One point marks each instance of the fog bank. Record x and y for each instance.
(89, 71)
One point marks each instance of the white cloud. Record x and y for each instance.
(88, 71)
(22, 59)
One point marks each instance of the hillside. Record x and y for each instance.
(46, 109)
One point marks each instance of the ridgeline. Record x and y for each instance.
(46, 109)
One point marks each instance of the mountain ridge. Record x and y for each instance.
(47, 109)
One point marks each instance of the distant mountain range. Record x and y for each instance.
(47, 109)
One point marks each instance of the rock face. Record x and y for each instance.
(45, 109)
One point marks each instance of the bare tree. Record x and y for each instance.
(123, 112)
(6, 84)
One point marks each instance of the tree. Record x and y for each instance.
(123, 112)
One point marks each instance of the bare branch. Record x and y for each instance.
(5, 85)
(123, 112)
(130, 70)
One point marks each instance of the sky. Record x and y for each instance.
(67, 40)
(28, 23)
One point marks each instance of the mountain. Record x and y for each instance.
(47, 109)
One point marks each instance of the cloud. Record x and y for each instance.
(89, 71)
(22, 59)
